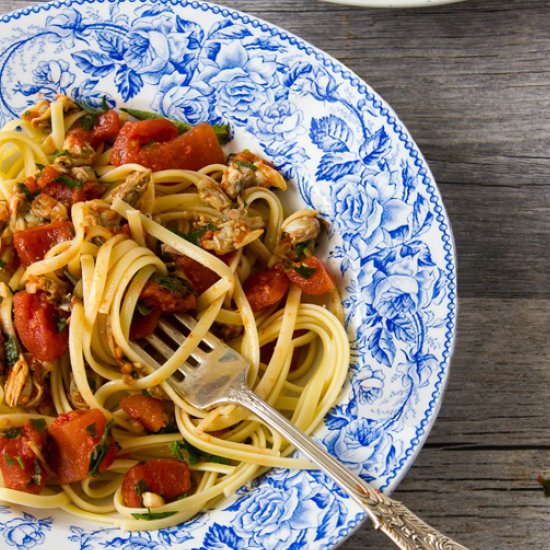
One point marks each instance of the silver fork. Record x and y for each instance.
(215, 374)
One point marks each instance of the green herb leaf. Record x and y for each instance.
(143, 308)
(218, 459)
(100, 450)
(146, 392)
(184, 451)
(88, 121)
(195, 235)
(22, 188)
(69, 182)
(221, 130)
(12, 433)
(20, 462)
(12, 351)
(9, 460)
(61, 153)
(153, 515)
(60, 324)
(140, 487)
(91, 430)
(39, 424)
(305, 271)
(300, 248)
(173, 284)
(248, 165)
(3, 264)
(192, 454)
(39, 166)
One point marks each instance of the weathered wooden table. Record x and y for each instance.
(472, 83)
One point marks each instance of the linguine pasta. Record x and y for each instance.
(133, 229)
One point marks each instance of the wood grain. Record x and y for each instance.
(471, 81)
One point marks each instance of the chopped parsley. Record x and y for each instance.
(100, 450)
(91, 430)
(140, 487)
(173, 284)
(195, 235)
(143, 308)
(182, 449)
(221, 130)
(19, 461)
(39, 424)
(300, 249)
(153, 515)
(3, 264)
(69, 182)
(12, 433)
(22, 188)
(9, 460)
(305, 271)
(88, 121)
(61, 153)
(12, 352)
(40, 166)
(248, 165)
(60, 324)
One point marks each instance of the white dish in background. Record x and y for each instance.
(393, 3)
(350, 158)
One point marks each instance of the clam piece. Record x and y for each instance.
(230, 236)
(46, 207)
(134, 190)
(16, 381)
(247, 169)
(211, 192)
(302, 226)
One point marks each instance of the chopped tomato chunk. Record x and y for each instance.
(153, 143)
(47, 176)
(32, 244)
(145, 131)
(265, 288)
(148, 411)
(20, 465)
(30, 183)
(70, 195)
(36, 323)
(144, 325)
(311, 276)
(168, 294)
(106, 128)
(201, 277)
(81, 445)
(167, 477)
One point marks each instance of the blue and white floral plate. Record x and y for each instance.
(349, 157)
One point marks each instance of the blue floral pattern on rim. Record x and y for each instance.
(349, 157)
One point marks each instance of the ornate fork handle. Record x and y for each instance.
(403, 527)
